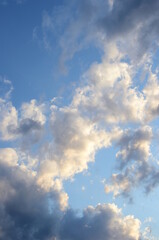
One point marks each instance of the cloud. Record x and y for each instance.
(123, 183)
(8, 156)
(92, 121)
(30, 131)
(34, 111)
(134, 159)
(6, 87)
(134, 146)
(26, 123)
(131, 25)
(101, 222)
(151, 92)
(24, 208)
(109, 95)
(133, 19)
(27, 212)
(107, 101)
(75, 142)
(71, 26)
(8, 117)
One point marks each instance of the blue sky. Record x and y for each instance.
(79, 112)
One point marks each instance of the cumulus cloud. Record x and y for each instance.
(90, 122)
(33, 110)
(101, 222)
(75, 142)
(27, 212)
(8, 156)
(110, 96)
(26, 123)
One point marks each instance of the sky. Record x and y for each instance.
(79, 111)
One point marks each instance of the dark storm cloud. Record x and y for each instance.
(24, 208)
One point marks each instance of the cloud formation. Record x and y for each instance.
(52, 147)
(132, 25)
(101, 222)
(27, 212)
(134, 160)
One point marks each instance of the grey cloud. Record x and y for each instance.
(137, 22)
(125, 15)
(24, 208)
(27, 125)
(143, 174)
(134, 23)
(102, 222)
(123, 183)
(153, 180)
(30, 124)
(134, 159)
(134, 146)
(28, 129)
(26, 213)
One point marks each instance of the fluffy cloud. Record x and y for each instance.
(28, 125)
(27, 212)
(75, 142)
(110, 96)
(24, 208)
(34, 111)
(101, 222)
(8, 156)
(78, 131)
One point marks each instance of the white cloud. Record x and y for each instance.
(8, 156)
(34, 111)
(8, 119)
(75, 142)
